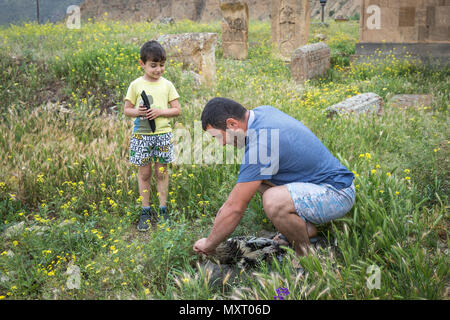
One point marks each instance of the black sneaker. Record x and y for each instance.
(164, 213)
(146, 219)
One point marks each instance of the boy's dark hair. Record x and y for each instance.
(153, 51)
(218, 110)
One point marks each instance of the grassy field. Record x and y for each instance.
(69, 200)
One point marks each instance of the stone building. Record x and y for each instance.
(420, 28)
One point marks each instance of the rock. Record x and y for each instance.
(320, 37)
(66, 222)
(363, 103)
(14, 230)
(74, 280)
(404, 101)
(195, 50)
(234, 29)
(3, 278)
(148, 10)
(310, 61)
(38, 229)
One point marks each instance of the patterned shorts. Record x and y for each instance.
(151, 148)
(321, 203)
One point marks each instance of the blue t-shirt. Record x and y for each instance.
(282, 150)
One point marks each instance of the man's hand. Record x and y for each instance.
(202, 246)
(228, 216)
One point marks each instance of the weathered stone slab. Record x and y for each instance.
(363, 103)
(195, 50)
(234, 29)
(290, 25)
(404, 101)
(310, 61)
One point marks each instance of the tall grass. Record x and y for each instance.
(69, 192)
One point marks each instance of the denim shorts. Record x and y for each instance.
(321, 203)
(151, 148)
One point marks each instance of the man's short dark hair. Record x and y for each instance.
(153, 51)
(218, 110)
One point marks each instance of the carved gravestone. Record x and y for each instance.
(310, 61)
(234, 29)
(195, 50)
(290, 25)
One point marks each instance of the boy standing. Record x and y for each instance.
(147, 146)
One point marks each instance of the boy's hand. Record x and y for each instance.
(142, 112)
(149, 114)
(153, 113)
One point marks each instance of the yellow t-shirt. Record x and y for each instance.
(159, 93)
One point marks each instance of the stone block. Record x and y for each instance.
(14, 230)
(363, 103)
(195, 50)
(405, 21)
(310, 61)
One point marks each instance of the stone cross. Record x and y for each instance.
(234, 29)
(290, 25)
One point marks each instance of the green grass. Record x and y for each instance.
(65, 173)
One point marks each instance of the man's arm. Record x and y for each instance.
(228, 216)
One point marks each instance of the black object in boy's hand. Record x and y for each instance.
(147, 106)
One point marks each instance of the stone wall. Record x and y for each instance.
(406, 21)
(419, 29)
